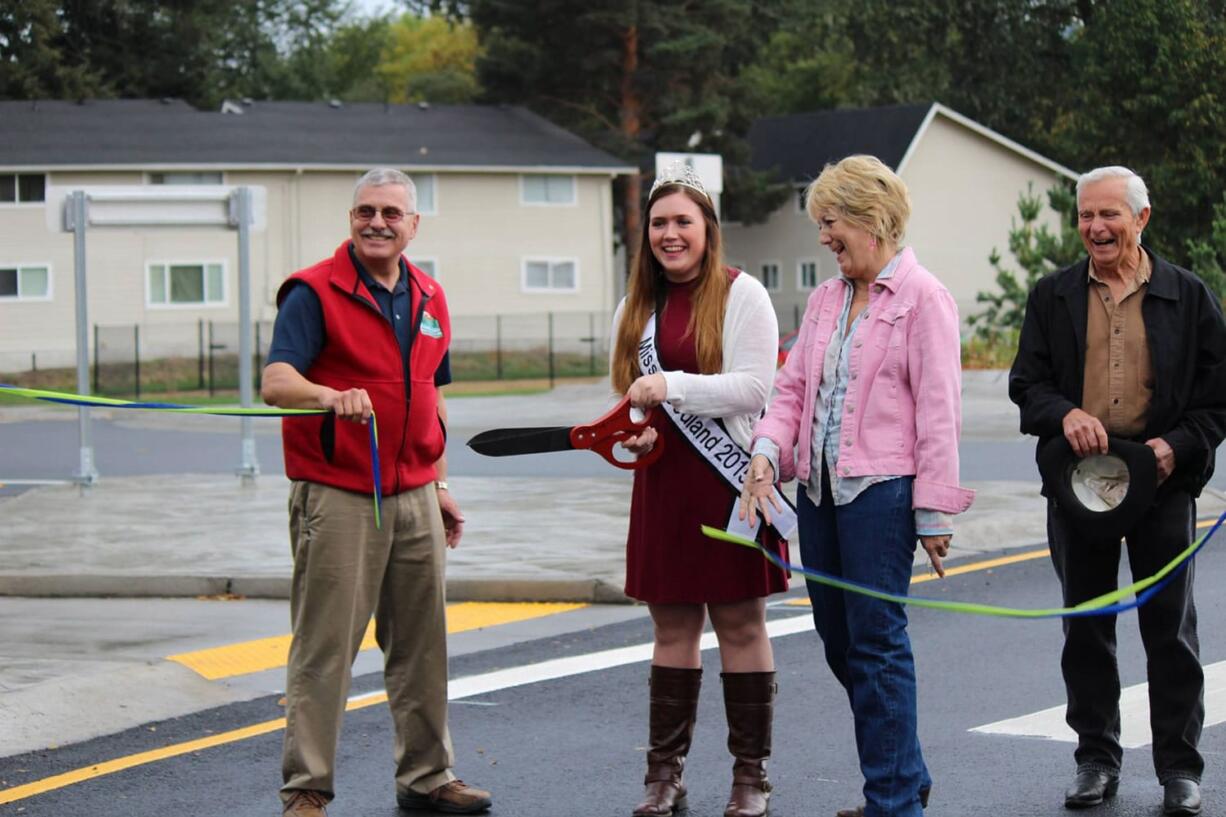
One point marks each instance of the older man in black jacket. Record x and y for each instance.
(1127, 344)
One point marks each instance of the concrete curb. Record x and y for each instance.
(62, 585)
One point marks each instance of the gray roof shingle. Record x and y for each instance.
(800, 145)
(143, 132)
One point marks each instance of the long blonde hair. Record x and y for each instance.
(647, 283)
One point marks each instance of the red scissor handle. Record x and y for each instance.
(600, 436)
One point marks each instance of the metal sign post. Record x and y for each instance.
(75, 216)
(238, 208)
(240, 217)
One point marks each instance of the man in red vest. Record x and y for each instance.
(364, 335)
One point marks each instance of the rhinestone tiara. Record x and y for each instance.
(682, 173)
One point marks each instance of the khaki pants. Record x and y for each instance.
(344, 571)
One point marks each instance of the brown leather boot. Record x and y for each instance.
(674, 707)
(749, 699)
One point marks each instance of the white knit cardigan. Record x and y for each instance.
(739, 392)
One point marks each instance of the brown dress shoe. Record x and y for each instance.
(749, 700)
(304, 803)
(673, 710)
(456, 797)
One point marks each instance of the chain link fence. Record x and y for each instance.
(142, 360)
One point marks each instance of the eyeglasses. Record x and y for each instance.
(367, 212)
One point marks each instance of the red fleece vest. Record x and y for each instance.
(361, 352)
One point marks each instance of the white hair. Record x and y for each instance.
(1135, 191)
(380, 176)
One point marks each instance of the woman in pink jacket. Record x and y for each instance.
(866, 415)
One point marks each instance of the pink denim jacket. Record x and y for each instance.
(903, 410)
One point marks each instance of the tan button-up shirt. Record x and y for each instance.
(1119, 382)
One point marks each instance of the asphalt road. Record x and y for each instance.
(47, 449)
(574, 745)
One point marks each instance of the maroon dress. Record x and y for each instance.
(668, 559)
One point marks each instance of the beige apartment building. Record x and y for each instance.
(516, 213)
(964, 181)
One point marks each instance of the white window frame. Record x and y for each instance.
(17, 192)
(778, 274)
(574, 190)
(28, 299)
(149, 174)
(181, 262)
(800, 275)
(417, 260)
(551, 260)
(433, 177)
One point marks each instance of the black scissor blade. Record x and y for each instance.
(506, 442)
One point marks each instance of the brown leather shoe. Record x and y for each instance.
(674, 707)
(305, 803)
(456, 797)
(749, 700)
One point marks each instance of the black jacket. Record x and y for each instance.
(1187, 344)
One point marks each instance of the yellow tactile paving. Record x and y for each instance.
(269, 653)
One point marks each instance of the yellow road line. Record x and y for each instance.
(460, 617)
(269, 653)
(119, 764)
(987, 564)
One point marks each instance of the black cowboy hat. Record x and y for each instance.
(1102, 495)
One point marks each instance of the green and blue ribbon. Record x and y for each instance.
(1111, 603)
(90, 401)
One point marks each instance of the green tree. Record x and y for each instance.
(202, 51)
(1208, 256)
(836, 53)
(35, 59)
(1038, 251)
(429, 59)
(807, 64)
(635, 77)
(1147, 93)
(353, 55)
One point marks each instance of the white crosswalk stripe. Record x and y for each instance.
(1134, 714)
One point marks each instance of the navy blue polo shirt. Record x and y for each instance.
(299, 333)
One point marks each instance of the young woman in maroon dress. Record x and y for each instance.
(716, 338)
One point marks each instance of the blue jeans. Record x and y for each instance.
(872, 541)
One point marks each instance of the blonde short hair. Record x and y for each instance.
(866, 192)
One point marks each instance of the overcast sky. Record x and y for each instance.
(368, 8)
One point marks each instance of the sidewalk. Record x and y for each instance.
(526, 539)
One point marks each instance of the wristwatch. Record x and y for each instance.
(440, 484)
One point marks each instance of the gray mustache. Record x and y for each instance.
(378, 234)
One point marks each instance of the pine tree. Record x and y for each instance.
(635, 77)
(1209, 256)
(1038, 252)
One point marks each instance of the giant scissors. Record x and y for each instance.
(601, 436)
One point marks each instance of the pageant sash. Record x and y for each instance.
(711, 440)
